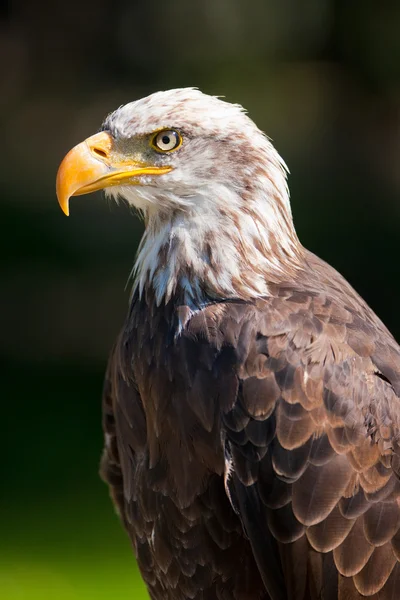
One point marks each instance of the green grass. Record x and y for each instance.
(84, 555)
(32, 578)
(60, 537)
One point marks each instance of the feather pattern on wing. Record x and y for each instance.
(272, 423)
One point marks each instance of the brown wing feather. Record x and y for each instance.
(318, 378)
(298, 395)
(163, 460)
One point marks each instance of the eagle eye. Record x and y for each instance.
(166, 140)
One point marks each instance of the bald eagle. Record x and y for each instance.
(252, 399)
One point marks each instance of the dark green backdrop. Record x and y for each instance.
(321, 77)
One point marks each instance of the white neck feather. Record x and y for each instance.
(220, 249)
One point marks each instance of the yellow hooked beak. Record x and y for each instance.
(92, 165)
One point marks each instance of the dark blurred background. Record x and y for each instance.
(321, 77)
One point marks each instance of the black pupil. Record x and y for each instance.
(166, 139)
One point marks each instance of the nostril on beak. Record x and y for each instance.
(100, 145)
(99, 152)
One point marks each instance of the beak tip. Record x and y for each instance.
(62, 194)
(64, 204)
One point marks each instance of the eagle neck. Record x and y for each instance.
(216, 250)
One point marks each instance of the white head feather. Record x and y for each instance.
(219, 224)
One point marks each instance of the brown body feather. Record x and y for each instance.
(255, 453)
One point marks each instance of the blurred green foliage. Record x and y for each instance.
(321, 77)
(60, 537)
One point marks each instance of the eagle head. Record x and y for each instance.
(211, 188)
